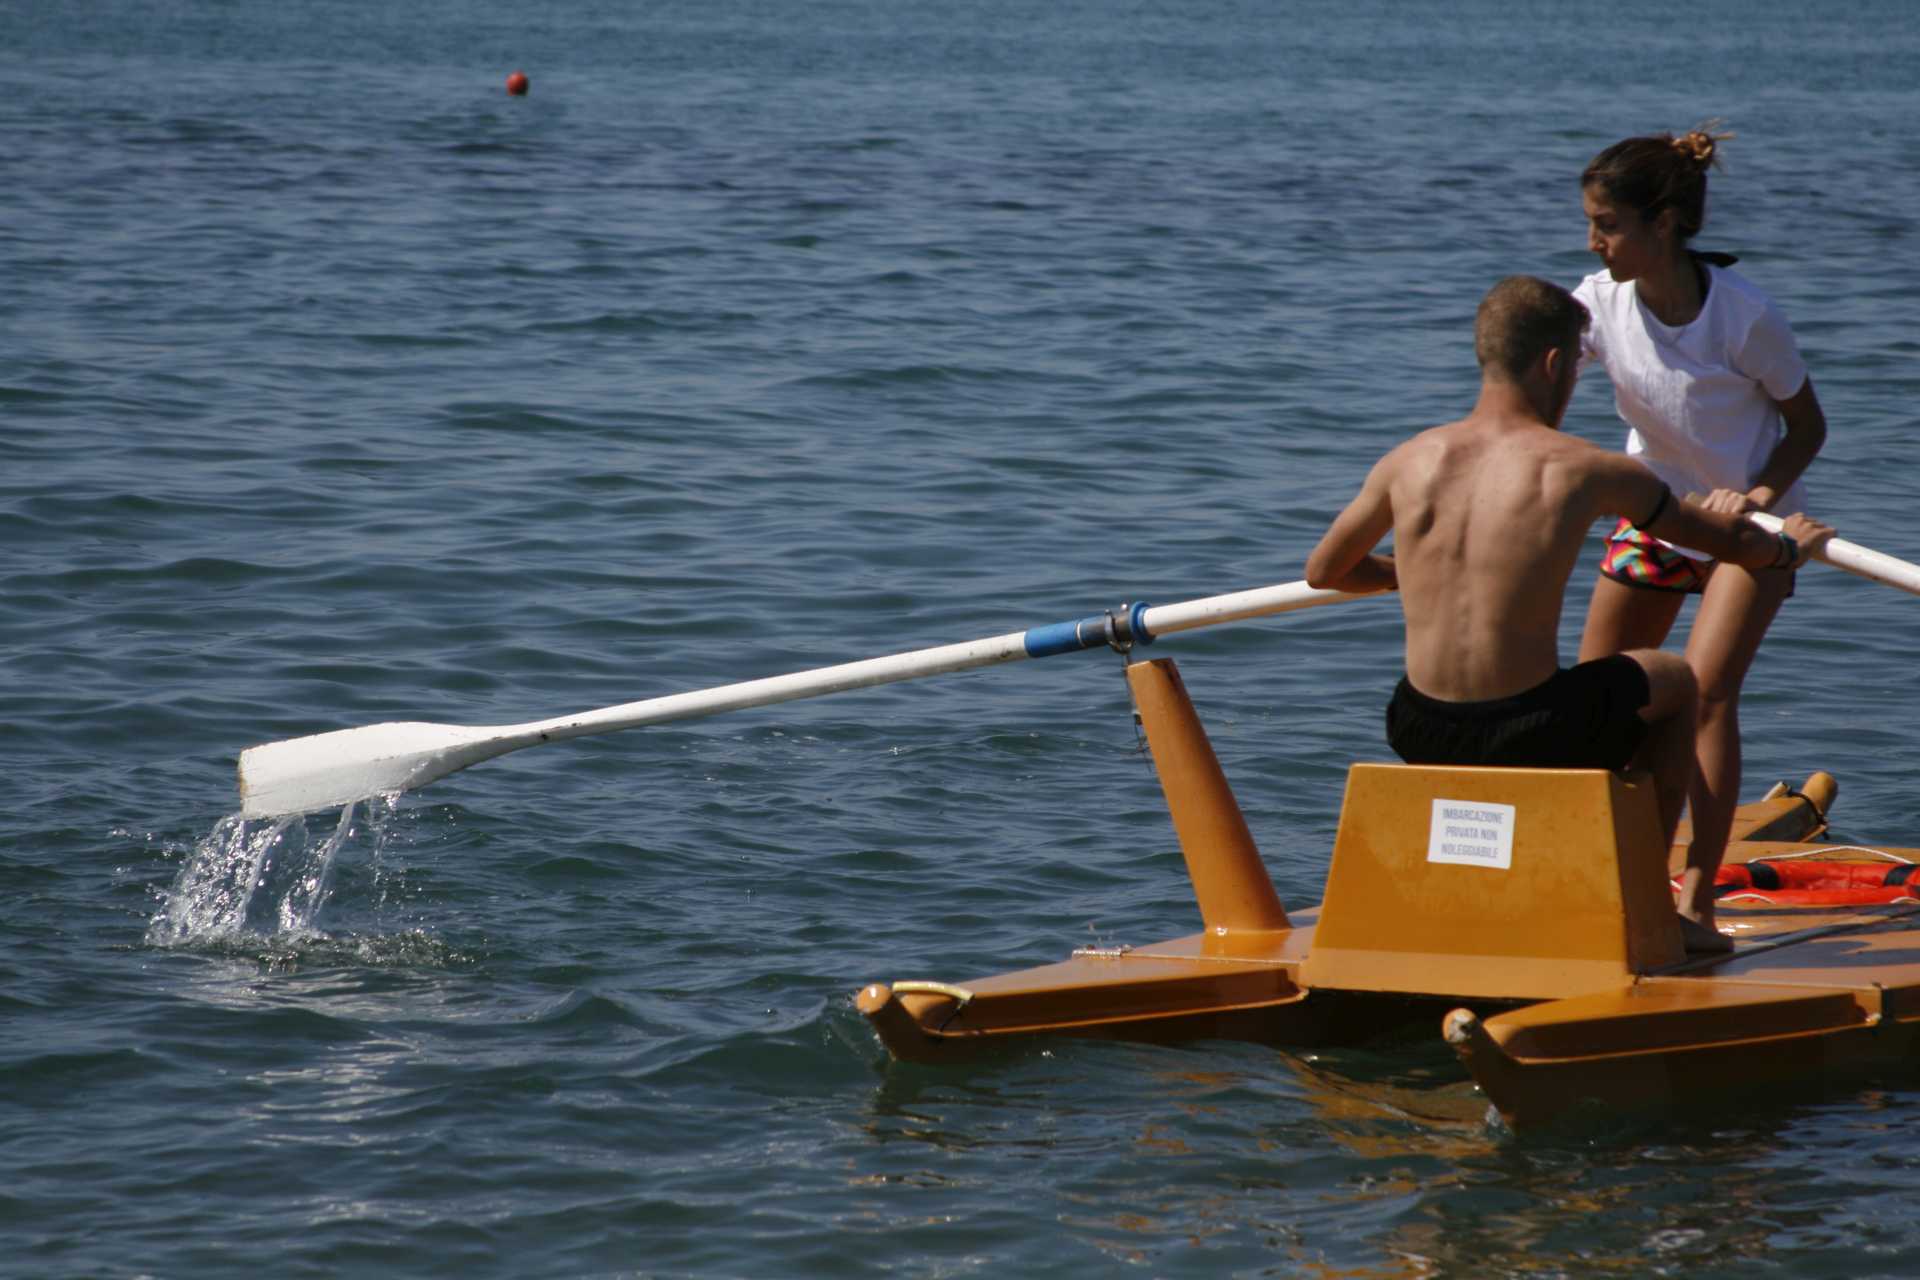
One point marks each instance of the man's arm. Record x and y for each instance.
(1344, 559)
(1637, 494)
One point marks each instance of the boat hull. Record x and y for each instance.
(1198, 987)
(1812, 993)
(1532, 908)
(1258, 972)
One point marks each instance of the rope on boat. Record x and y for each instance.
(1819, 877)
(1785, 789)
(1823, 852)
(1806, 898)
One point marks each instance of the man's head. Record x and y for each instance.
(1527, 333)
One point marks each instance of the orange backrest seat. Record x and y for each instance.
(1493, 883)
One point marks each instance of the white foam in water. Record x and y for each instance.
(251, 876)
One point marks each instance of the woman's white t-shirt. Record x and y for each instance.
(1700, 398)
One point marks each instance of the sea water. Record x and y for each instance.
(338, 386)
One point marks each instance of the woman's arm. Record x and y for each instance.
(1806, 432)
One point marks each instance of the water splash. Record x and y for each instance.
(257, 877)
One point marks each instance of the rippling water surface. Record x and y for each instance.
(337, 386)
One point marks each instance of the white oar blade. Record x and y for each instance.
(329, 769)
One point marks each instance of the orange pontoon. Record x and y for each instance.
(1530, 907)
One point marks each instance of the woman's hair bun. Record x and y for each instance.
(1699, 145)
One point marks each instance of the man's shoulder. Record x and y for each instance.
(1459, 429)
(1432, 446)
(1502, 451)
(1418, 444)
(1564, 463)
(1509, 434)
(1573, 452)
(1607, 477)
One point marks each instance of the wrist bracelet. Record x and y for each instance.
(1788, 553)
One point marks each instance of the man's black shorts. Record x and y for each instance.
(1584, 717)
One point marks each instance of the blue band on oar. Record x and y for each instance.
(1128, 628)
(1137, 620)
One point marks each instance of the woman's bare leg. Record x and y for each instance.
(1622, 618)
(1735, 612)
(1634, 621)
(1666, 752)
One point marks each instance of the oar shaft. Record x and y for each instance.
(1145, 623)
(1239, 605)
(791, 687)
(1854, 558)
(302, 774)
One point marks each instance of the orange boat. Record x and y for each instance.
(1530, 907)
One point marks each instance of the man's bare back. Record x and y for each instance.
(1489, 516)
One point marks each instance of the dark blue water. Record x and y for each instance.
(336, 386)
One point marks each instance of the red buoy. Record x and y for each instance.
(517, 83)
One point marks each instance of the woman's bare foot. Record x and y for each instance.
(1703, 939)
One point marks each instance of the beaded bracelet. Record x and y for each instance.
(1788, 553)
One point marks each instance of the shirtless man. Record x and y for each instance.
(1489, 516)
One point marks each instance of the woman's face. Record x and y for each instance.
(1627, 243)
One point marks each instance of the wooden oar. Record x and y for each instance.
(1855, 558)
(328, 769)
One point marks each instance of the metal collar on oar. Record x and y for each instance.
(1119, 629)
(1125, 626)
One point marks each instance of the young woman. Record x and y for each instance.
(1707, 375)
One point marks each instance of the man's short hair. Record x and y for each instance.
(1521, 319)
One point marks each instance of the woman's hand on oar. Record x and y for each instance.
(328, 769)
(1854, 558)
